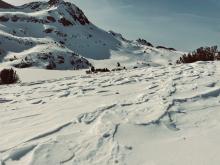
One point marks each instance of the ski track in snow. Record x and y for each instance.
(81, 119)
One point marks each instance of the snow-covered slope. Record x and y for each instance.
(58, 34)
(50, 32)
(159, 115)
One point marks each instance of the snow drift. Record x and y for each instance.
(158, 115)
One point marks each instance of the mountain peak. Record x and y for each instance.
(5, 5)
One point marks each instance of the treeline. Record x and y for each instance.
(201, 54)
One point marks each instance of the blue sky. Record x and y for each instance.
(183, 24)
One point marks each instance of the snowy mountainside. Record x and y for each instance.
(153, 115)
(50, 29)
(58, 34)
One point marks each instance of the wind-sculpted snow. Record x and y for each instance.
(154, 115)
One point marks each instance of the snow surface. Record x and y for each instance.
(156, 114)
(165, 115)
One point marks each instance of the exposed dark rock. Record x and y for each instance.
(61, 34)
(55, 2)
(4, 19)
(99, 70)
(23, 65)
(44, 56)
(50, 30)
(51, 65)
(163, 47)
(60, 57)
(62, 43)
(14, 18)
(5, 5)
(77, 15)
(119, 69)
(144, 42)
(51, 19)
(118, 35)
(65, 22)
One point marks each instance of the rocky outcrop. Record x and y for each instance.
(5, 5)
(144, 42)
(55, 2)
(163, 47)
